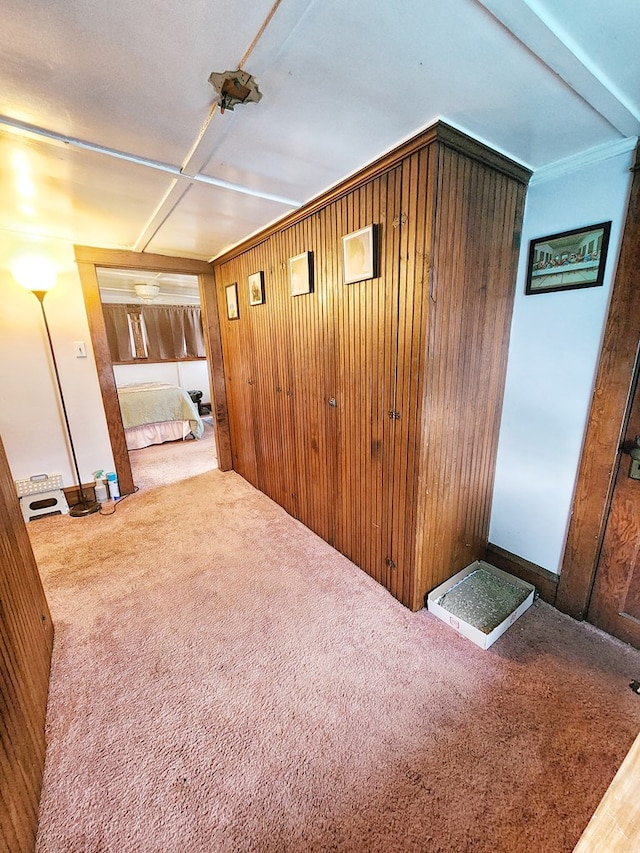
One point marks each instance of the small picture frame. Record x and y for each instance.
(301, 274)
(359, 255)
(256, 288)
(568, 260)
(231, 292)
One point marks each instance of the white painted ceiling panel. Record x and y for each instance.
(83, 197)
(605, 36)
(343, 81)
(334, 100)
(131, 76)
(212, 217)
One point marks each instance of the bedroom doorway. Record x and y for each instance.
(104, 272)
(156, 342)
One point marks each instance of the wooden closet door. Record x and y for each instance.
(258, 328)
(272, 388)
(239, 371)
(309, 351)
(365, 333)
(410, 265)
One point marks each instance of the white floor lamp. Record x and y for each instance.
(39, 276)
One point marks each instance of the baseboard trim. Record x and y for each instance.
(545, 582)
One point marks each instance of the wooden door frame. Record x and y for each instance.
(88, 260)
(607, 418)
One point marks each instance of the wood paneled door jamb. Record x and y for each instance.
(26, 641)
(605, 427)
(89, 260)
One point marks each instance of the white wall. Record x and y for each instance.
(190, 375)
(31, 422)
(553, 354)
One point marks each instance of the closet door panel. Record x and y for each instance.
(311, 387)
(284, 438)
(238, 350)
(365, 316)
(262, 332)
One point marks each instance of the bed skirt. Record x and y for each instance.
(147, 434)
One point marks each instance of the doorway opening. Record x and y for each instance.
(156, 342)
(117, 272)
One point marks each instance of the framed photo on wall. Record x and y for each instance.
(256, 288)
(359, 255)
(231, 291)
(301, 274)
(568, 260)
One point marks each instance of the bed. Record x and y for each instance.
(153, 413)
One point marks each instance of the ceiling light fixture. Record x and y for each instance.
(148, 292)
(234, 87)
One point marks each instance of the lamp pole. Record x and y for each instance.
(86, 506)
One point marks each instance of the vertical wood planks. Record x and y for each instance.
(26, 638)
(384, 441)
(474, 255)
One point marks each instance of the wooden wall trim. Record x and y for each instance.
(106, 378)
(140, 260)
(26, 640)
(545, 582)
(218, 391)
(440, 131)
(464, 144)
(600, 451)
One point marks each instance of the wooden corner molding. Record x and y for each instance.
(600, 451)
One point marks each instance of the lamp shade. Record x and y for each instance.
(35, 272)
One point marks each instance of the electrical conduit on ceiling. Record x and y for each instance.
(184, 176)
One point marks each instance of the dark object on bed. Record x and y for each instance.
(196, 397)
(203, 408)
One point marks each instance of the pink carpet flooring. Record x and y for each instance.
(223, 680)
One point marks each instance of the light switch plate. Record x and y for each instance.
(79, 349)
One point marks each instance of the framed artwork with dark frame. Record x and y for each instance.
(359, 255)
(301, 274)
(256, 288)
(231, 292)
(568, 260)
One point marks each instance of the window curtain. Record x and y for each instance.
(116, 319)
(170, 332)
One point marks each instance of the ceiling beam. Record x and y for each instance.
(51, 137)
(528, 22)
(177, 190)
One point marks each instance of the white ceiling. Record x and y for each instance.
(105, 136)
(118, 285)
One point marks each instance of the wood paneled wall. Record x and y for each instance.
(312, 379)
(26, 637)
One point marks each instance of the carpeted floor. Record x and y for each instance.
(172, 461)
(224, 681)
